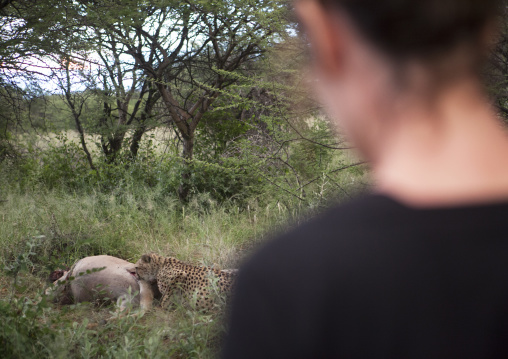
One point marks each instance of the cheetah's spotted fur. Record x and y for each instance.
(176, 277)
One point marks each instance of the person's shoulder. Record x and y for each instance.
(358, 214)
(332, 232)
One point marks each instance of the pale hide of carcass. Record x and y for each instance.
(100, 279)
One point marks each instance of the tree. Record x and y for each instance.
(29, 31)
(117, 95)
(75, 100)
(190, 51)
(205, 64)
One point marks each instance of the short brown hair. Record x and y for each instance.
(420, 28)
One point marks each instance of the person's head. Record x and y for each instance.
(371, 56)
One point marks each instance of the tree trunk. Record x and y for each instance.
(153, 97)
(115, 145)
(112, 145)
(81, 132)
(136, 139)
(87, 153)
(188, 150)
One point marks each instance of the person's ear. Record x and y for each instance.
(324, 34)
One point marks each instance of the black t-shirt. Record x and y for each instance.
(376, 279)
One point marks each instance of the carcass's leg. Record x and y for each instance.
(146, 295)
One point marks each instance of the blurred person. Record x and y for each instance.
(418, 268)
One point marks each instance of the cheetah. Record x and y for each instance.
(189, 281)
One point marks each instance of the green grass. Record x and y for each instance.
(42, 230)
(71, 226)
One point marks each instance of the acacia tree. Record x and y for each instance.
(74, 99)
(31, 31)
(128, 98)
(195, 59)
(105, 93)
(190, 50)
(23, 40)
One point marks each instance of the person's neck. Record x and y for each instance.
(454, 152)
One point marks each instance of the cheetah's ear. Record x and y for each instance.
(146, 258)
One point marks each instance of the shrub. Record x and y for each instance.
(64, 164)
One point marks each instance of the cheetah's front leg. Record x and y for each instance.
(172, 284)
(165, 300)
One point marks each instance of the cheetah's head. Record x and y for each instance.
(147, 267)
